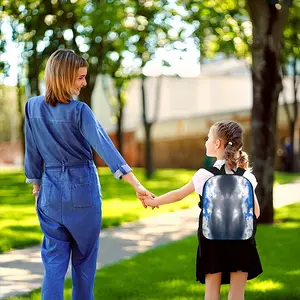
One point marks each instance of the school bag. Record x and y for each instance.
(227, 206)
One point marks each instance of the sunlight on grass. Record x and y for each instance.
(282, 178)
(172, 284)
(264, 286)
(295, 272)
(168, 272)
(289, 225)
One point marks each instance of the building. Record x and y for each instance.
(187, 109)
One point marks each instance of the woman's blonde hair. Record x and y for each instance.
(60, 75)
(231, 134)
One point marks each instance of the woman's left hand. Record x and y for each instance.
(36, 201)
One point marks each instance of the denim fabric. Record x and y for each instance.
(64, 135)
(69, 211)
(58, 157)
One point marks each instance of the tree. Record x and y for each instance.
(220, 27)
(268, 21)
(291, 58)
(41, 28)
(150, 26)
(44, 26)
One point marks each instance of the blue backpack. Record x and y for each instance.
(227, 206)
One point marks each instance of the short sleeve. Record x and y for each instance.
(199, 179)
(251, 178)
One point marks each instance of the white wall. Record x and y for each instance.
(181, 99)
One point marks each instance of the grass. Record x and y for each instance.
(168, 272)
(282, 177)
(19, 226)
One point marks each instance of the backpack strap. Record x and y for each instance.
(216, 171)
(222, 170)
(213, 170)
(239, 171)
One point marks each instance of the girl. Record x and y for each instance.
(221, 262)
(59, 134)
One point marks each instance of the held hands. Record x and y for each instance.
(149, 201)
(144, 194)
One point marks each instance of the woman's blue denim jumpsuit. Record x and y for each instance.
(58, 157)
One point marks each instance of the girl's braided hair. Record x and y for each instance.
(231, 134)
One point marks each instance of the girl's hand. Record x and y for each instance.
(142, 194)
(151, 202)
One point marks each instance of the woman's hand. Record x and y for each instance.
(143, 193)
(36, 198)
(35, 193)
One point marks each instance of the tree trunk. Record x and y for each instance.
(148, 148)
(295, 156)
(22, 118)
(268, 23)
(147, 127)
(120, 120)
(33, 74)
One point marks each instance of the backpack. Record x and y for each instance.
(227, 206)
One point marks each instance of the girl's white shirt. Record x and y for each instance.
(202, 175)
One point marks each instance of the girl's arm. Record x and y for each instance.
(256, 207)
(172, 196)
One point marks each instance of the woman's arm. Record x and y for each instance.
(98, 138)
(33, 162)
(172, 196)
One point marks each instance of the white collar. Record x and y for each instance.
(219, 163)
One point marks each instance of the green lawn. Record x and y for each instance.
(282, 178)
(168, 272)
(19, 226)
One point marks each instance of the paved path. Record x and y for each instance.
(22, 271)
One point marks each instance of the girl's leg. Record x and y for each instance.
(212, 286)
(238, 282)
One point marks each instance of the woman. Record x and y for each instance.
(59, 134)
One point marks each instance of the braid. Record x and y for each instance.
(231, 134)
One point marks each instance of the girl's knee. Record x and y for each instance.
(213, 296)
(232, 296)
